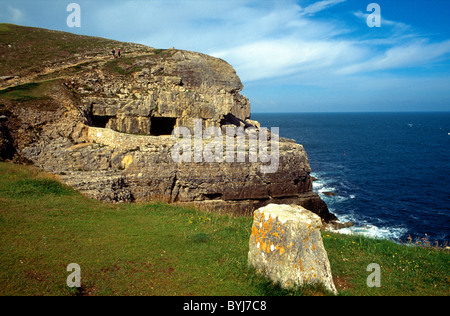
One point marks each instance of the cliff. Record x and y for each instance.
(103, 125)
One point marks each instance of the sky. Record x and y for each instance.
(291, 55)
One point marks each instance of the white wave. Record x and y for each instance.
(322, 186)
(333, 198)
(368, 230)
(340, 198)
(316, 174)
(317, 184)
(324, 189)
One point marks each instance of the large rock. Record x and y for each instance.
(171, 87)
(286, 246)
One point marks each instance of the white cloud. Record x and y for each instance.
(308, 51)
(288, 56)
(320, 6)
(413, 54)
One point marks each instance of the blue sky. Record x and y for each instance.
(292, 56)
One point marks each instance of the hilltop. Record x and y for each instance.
(28, 51)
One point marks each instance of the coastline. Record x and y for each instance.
(382, 171)
(351, 225)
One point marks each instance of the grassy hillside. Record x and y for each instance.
(26, 51)
(158, 249)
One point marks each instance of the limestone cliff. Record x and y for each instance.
(104, 126)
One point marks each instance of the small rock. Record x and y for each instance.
(335, 225)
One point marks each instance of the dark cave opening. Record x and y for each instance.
(100, 120)
(162, 125)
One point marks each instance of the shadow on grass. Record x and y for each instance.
(268, 288)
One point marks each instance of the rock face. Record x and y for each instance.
(104, 127)
(286, 246)
(6, 144)
(154, 93)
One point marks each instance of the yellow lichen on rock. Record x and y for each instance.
(126, 161)
(286, 246)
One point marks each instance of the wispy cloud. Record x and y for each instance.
(331, 51)
(414, 54)
(394, 25)
(274, 58)
(320, 6)
(14, 15)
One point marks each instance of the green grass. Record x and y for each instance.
(123, 66)
(158, 249)
(28, 50)
(127, 65)
(28, 92)
(405, 269)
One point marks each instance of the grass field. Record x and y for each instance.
(158, 249)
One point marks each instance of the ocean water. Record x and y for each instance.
(389, 172)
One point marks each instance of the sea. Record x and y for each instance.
(389, 173)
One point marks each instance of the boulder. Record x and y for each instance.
(286, 246)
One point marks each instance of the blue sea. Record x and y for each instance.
(389, 172)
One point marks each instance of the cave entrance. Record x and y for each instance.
(162, 125)
(100, 121)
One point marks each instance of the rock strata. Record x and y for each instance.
(154, 93)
